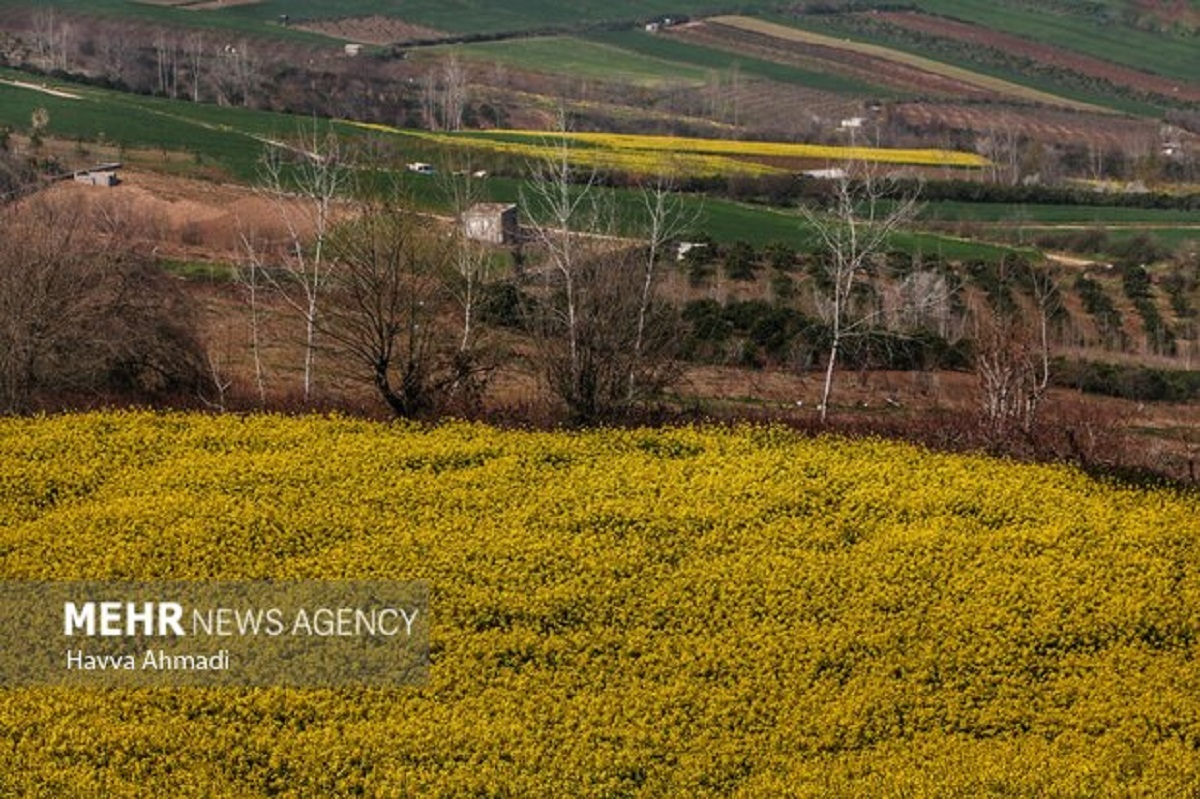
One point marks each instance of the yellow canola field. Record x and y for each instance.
(681, 156)
(647, 613)
(758, 149)
(641, 162)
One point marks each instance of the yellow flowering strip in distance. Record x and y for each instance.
(645, 161)
(751, 149)
(684, 156)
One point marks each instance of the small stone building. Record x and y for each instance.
(98, 176)
(494, 223)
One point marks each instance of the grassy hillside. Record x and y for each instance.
(234, 139)
(231, 137)
(672, 613)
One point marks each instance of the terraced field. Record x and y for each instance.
(1063, 26)
(1045, 54)
(588, 59)
(686, 44)
(883, 58)
(1099, 132)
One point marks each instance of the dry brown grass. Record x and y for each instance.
(199, 220)
(373, 29)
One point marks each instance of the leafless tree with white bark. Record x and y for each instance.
(865, 210)
(304, 180)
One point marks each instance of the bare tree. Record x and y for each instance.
(1006, 362)
(604, 344)
(429, 100)
(472, 272)
(665, 219)
(235, 74)
(472, 261)
(1012, 358)
(387, 293)
(735, 92)
(39, 120)
(304, 180)
(166, 55)
(52, 37)
(865, 211)
(17, 174)
(194, 48)
(250, 275)
(453, 92)
(115, 54)
(247, 68)
(45, 21)
(1003, 145)
(563, 205)
(83, 313)
(921, 300)
(593, 379)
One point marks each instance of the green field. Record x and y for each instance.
(709, 58)
(1070, 95)
(462, 17)
(1173, 238)
(1051, 214)
(131, 123)
(1163, 54)
(644, 60)
(726, 221)
(561, 55)
(478, 16)
(234, 139)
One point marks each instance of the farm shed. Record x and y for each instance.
(832, 173)
(102, 175)
(494, 223)
(686, 247)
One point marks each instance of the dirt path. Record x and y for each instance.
(20, 84)
(1072, 261)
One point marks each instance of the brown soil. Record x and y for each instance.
(876, 71)
(372, 30)
(184, 218)
(201, 220)
(1170, 13)
(1042, 53)
(788, 111)
(1043, 124)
